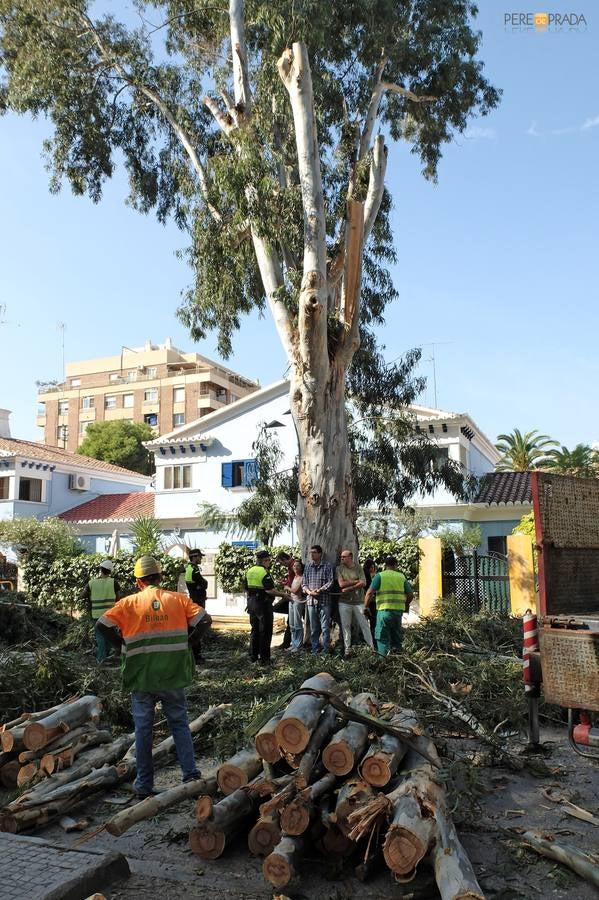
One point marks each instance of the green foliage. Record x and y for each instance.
(23, 622)
(40, 539)
(61, 584)
(120, 443)
(460, 540)
(405, 549)
(526, 525)
(270, 508)
(582, 461)
(522, 452)
(231, 564)
(147, 536)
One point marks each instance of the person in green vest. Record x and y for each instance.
(101, 594)
(260, 589)
(394, 594)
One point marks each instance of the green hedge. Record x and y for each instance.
(61, 584)
(232, 563)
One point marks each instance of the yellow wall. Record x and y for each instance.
(430, 585)
(521, 572)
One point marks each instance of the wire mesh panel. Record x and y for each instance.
(477, 581)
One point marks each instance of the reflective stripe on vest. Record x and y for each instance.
(102, 595)
(391, 594)
(254, 578)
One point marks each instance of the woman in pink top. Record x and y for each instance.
(297, 606)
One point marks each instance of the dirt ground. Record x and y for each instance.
(163, 866)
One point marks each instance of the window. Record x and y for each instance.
(240, 473)
(177, 477)
(151, 419)
(4, 485)
(178, 419)
(75, 382)
(132, 375)
(179, 395)
(87, 403)
(497, 544)
(441, 458)
(82, 428)
(151, 395)
(30, 489)
(62, 435)
(63, 407)
(114, 376)
(41, 409)
(110, 401)
(151, 372)
(127, 401)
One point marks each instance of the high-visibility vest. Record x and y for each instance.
(102, 595)
(391, 594)
(254, 578)
(189, 573)
(154, 625)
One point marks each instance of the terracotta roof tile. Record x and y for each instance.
(33, 450)
(112, 508)
(505, 487)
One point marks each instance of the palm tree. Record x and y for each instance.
(521, 452)
(582, 461)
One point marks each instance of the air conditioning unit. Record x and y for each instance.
(79, 482)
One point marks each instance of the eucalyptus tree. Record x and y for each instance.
(262, 131)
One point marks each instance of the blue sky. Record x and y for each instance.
(497, 262)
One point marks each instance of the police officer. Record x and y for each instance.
(101, 593)
(260, 589)
(197, 587)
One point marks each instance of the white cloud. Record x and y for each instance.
(477, 133)
(533, 131)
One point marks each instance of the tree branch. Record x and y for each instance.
(376, 184)
(373, 110)
(294, 69)
(156, 99)
(352, 280)
(398, 89)
(241, 80)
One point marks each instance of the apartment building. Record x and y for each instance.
(157, 384)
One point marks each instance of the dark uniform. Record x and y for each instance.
(259, 606)
(197, 587)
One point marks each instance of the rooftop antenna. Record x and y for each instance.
(4, 321)
(432, 359)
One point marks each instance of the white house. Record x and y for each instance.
(38, 481)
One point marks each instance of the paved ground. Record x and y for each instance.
(35, 869)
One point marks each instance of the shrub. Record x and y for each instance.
(405, 549)
(232, 563)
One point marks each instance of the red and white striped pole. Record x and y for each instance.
(531, 688)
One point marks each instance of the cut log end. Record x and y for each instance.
(336, 843)
(204, 807)
(9, 773)
(277, 870)
(376, 771)
(264, 836)
(7, 740)
(230, 778)
(292, 735)
(9, 824)
(268, 748)
(36, 736)
(403, 850)
(338, 758)
(207, 843)
(26, 773)
(295, 819)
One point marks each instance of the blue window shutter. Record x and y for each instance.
(250, 472)
(226, 478)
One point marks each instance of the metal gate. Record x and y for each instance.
(477, 581)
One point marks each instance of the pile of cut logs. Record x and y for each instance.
(328, 775)
(63, 757)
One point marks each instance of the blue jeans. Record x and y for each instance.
(175, 710)
(296, 624)
(320, 621)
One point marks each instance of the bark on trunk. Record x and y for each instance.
(453, 870)
(238, 770)
(302, 715)
(266, 741)
(326, 726)
(151, 806)
(9, 773)
(352, 795)
(265, 835)
(282, 865)
(71, 715)
(347, 746)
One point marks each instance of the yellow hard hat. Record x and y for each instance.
(146, 565)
